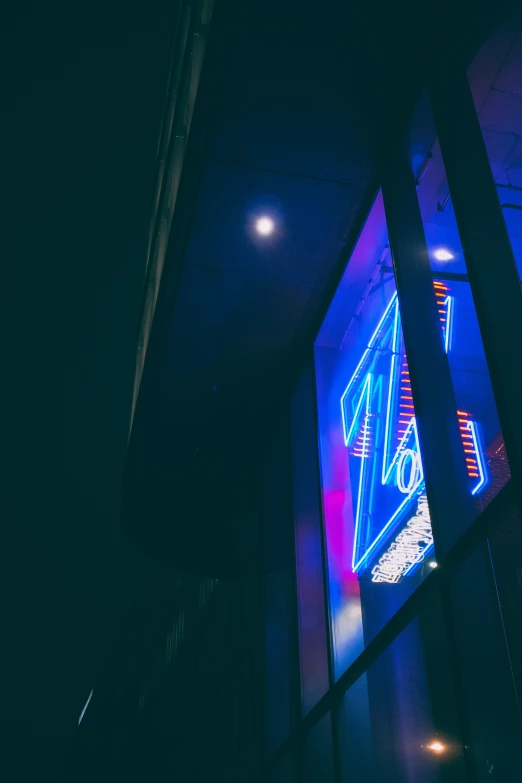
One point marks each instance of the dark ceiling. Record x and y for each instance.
(297, 108)
(306, 102)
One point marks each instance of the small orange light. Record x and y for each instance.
(436, 747)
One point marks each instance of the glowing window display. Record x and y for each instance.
(371, 468)
(379, 541)
(390, 508)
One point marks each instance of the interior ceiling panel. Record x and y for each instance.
(502, 112)
(510, 77)
(310, 217)
(513, 165)
(485, 65)
(500, 147)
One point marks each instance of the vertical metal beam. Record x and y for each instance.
(445, 470)
(493, 275)
(435, 407)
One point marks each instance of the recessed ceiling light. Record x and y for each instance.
(264, 226)
(443, 254)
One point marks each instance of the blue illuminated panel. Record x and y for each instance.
(392, 528)
(377, 527)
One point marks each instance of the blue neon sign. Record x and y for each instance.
(380, 432)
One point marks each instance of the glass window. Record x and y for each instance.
(278, 668)
(278, 588)
(317, 763)
(495, 78)
(377, 525)
(282, 772)
(355, 734)
(487, 649)
(398, 723)
(505, 549)
(482, 439)
(313, 647)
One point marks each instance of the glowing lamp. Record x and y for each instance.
(442, 254)
(437, 747)
(264, 226)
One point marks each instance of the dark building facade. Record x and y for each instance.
(326, 453)
(180, 697)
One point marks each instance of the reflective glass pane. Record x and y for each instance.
(495, 78)
(278, 586)
(282, 772)
(482, 439)
(377, 524)
(317, 762)
(398, 723)
(488, 657)
(278, 667)
(313, 648)
(505, 549)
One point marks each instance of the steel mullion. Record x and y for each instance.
(446, 479)
(491, 267)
